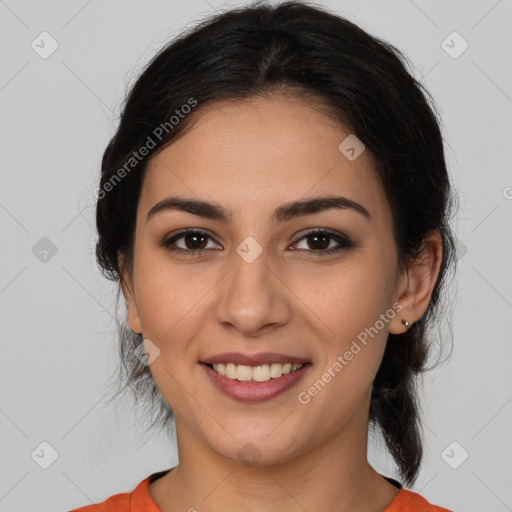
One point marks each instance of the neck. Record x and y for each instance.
(334, 476)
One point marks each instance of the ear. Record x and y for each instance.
(132, 312)
(417, 282)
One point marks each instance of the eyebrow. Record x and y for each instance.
(283, 213)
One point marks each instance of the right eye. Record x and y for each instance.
(194, 242)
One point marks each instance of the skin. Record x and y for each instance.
(252, 157)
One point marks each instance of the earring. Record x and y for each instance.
(406, 323)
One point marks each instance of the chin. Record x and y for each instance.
(257, 450)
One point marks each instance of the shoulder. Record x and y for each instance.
(408, 501)
(138, 499)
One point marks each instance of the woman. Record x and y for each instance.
(275, 205)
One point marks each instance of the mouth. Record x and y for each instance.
(259, 373)
(255, 378)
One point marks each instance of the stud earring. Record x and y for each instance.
(406, 323)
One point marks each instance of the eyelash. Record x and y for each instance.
(343, 241)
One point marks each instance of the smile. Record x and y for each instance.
(260, 373)
(255, 383)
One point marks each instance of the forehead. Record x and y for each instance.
(258, 153)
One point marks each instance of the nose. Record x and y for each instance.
(252, 298)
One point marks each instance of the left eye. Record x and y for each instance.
(196, 242)
(320, 240)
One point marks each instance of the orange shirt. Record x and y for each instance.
(139, 500)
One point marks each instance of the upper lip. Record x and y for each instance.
(253, 359)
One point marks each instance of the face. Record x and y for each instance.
(275, 283)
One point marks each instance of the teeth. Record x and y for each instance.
(262, 373)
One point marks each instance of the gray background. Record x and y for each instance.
(58, 341)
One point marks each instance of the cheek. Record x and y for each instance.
(349, 308)
(170, 296)
(171, 302)
(345, 298)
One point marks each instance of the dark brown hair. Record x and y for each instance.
(303, 49)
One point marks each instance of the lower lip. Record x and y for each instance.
(252, 391)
